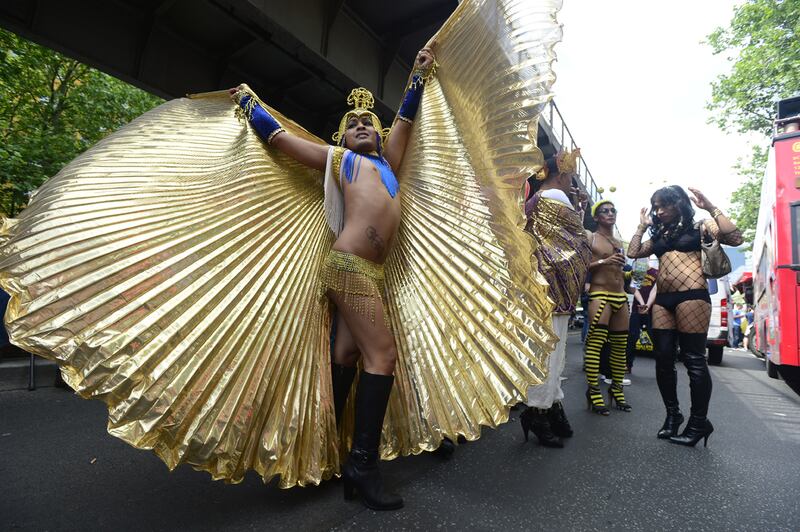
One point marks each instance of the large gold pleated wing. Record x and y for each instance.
(461, 259)
(172, 270)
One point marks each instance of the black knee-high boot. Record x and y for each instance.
(342, 380)
(361, 473)
(667, 379)
(693, 348)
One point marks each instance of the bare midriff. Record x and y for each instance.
(679, 271)
(371, 216)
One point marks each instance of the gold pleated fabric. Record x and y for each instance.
(172, 270)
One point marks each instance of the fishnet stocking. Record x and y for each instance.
(693, 316)
(662, 318)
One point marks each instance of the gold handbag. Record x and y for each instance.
(714, 260)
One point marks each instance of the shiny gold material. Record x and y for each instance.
(563, 251)
(357, 280)
(567, 161)
(173, 269)
(362, 101)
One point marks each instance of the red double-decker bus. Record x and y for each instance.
(776, 251)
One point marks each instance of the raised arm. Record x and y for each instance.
(303, 151)
(637, 249)
(721, 228)
(401, 127)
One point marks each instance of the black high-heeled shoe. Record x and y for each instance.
(558, 421)
(616, 395)
(535, 420)
(671, 424)
(696, 429)
(594, 402)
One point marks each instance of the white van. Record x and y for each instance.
(717, 338)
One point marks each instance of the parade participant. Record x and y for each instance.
(555, 219)
(608, 311)
(644, 296)
(363, 209)
(183, 270)
(682, 309)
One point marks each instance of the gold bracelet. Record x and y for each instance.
(716, 212)
(404, 119)
(275, 134)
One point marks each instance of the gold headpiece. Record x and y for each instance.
(362, 101)
(566, 162)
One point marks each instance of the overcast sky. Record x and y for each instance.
(633, 81)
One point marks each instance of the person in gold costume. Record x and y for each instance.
(608, 310)
(182, 269)
(555, 219)
(367, 194)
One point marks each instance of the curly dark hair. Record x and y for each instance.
(672, 195)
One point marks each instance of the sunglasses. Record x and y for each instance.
(607, 210)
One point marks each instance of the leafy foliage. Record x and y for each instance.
(52, 108)
(746, 199)
(763, 42)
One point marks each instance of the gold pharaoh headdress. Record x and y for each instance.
(566, 162)
(362, 101)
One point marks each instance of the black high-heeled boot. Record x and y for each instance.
(693, 347)
(671, 424)
(535, 420)
(341, 380)
(360, 473)
(698, 428)
(558, 421)
(667, 379)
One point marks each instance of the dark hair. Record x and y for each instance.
(672, 195)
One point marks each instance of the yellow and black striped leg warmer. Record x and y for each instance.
(617, 359)
(595, 339)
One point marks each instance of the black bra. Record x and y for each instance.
(688, 241)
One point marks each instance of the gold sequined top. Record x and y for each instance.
(563, 251)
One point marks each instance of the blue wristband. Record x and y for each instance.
(264, 123)
(410, 105)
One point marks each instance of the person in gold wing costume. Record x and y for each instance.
(555, 219)
(180, 269)
(363, 169)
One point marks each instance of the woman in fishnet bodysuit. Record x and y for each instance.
(682, 308)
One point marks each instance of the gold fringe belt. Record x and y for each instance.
(357, 281)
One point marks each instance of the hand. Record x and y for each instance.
(617, 259)
(424, 58)
(644, 309)
(701, 200)
(581, 198)
(232, 91)
(644, 217)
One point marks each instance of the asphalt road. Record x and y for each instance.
(61, 471)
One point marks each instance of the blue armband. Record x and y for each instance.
(413, 94)
(264, 123)
(410, 105)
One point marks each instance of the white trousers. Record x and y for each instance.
(547, 393)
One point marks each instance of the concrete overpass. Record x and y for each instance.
(301, 56)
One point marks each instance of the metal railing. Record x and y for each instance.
(562, 138)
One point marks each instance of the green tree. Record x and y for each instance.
(52, 108)
(763, 43)
(745, 201)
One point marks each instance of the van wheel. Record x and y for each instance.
(715, 354)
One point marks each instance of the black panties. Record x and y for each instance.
(670, 300)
